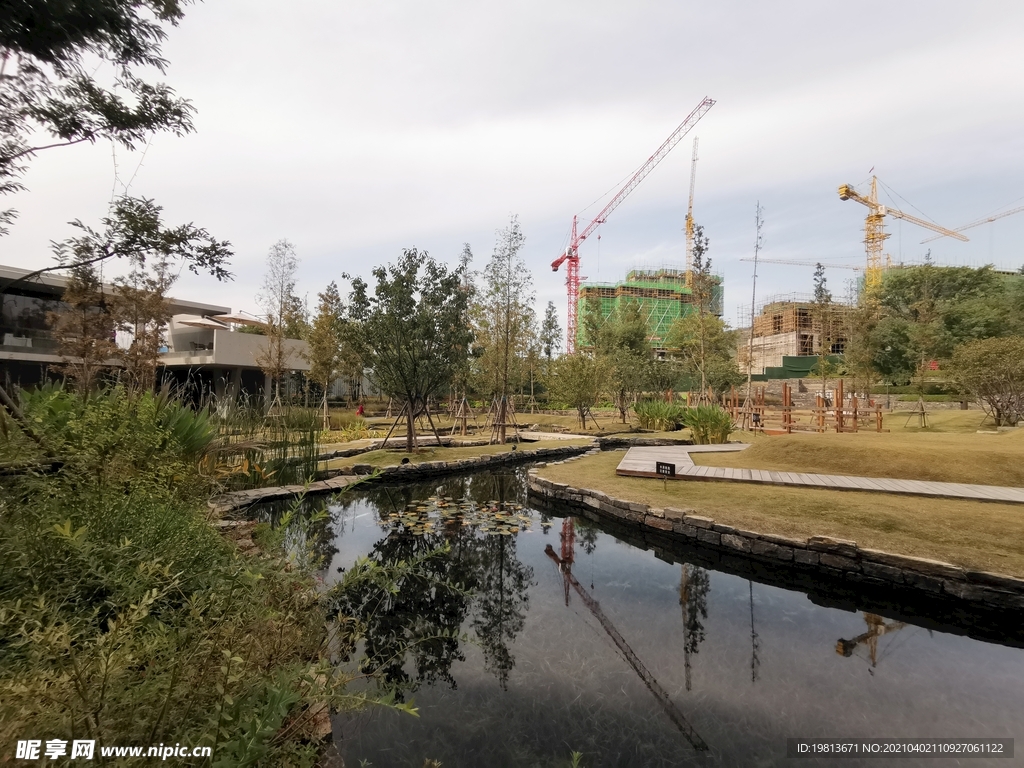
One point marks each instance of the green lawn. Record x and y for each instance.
(976, 535)
(908, 455)
(391, 457)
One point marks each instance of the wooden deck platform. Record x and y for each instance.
(641, 462)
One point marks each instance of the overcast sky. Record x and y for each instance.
(357, 129)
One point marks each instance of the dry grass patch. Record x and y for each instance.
(972, 534)
(952, 458)
(390, 458)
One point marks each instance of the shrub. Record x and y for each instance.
(992, 372)
(125, 617)
(708, 424)
(659, 415)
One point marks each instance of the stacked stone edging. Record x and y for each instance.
(836, 558)
(342, 478)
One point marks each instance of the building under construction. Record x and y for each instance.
(788, 335)
(664, 295)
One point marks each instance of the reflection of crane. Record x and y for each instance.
(806, 263)
(689, 208)
(874, 229)
(876, 628)
(572, 251)
(978, 223)
(565, 568)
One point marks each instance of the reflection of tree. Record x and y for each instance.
(502, 600)
(417, 618)
(586, 534)
(693, 597)
(755, 640)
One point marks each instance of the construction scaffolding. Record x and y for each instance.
(664, 296)
(787, 326)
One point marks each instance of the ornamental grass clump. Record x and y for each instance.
(708, 424)
(659, 415)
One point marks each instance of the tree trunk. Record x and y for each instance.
(327, 413)
(410, 434)
(500, 416)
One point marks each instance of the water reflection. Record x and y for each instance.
(564, 563)
(877, 627)
(755, 641)
(528, 671)
(693, 597)
(464, 538)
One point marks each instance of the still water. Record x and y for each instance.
(626, 658)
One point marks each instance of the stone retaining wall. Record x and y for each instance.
(834, 558)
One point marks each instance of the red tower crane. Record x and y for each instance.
(572, 253)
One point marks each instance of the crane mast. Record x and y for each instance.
(571, 255)
(689, 208)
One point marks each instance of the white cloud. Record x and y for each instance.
(354, 129)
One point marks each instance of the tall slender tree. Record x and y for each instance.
(505, 312)
(550, 332)
(279, 304)
(823, 319)
(84, 330)
(325, 339)
(701, 339)
(141, 311)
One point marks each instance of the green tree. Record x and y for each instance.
(280, 305)
(992, 371)
(326, 354)
(577, 380)
(925, 312)
(84, 329)
(700, 338)
(505, 320)
(141, 311)
(621, 343)
(823, 319)
(49, 86)
(414, 331)
(550, 332)
(134, 232)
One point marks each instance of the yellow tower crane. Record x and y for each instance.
(689, 208)
(689, 215)
(874, 230)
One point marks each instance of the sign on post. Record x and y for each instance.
(664, 468)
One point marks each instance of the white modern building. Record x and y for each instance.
(207, 351)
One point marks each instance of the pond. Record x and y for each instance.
(541, 635)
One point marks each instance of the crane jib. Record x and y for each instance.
(572, 278)
(634, 181)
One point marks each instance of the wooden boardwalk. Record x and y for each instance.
(640, 462)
